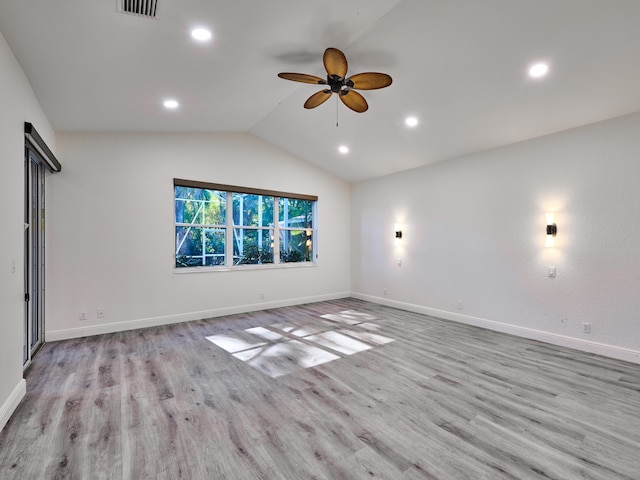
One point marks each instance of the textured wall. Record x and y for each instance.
(474, 232)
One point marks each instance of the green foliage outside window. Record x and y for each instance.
(200, 220)
(296, 233)
(203, 228)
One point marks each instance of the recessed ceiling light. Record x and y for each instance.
(538, 70)
(411, 121)
(201, 34)
(171, 104)
(343, 149)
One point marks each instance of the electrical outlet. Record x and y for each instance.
(385, 291)
(261, 295)
(83, 315)
(459, 304)
(586, 328)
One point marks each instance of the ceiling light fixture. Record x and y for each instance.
(411, 121)
(538, 70)
(343, 149)
(201, 34)
(335, 63)
(171, 104)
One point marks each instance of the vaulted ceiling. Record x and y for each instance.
(458, 66)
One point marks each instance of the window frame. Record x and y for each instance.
(230, 227)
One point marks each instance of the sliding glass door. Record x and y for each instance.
(35, 171)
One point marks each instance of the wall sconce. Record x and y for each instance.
(397, 234)
(552, 230)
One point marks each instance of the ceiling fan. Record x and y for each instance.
(335, 63)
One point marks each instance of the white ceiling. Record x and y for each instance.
(458, 65)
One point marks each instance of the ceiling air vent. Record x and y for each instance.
(141, 8)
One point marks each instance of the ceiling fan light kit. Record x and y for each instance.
(335, 63)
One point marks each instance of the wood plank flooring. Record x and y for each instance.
(441, 401)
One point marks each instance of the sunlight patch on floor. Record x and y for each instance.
(284, 348)
(339, 343)
(234, 342)
(283, 358)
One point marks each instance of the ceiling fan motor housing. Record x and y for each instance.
(335, 82)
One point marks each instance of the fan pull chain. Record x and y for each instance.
(337, 109)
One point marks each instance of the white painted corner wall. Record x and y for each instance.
(111, 231)
(473, 246)
(19, 105)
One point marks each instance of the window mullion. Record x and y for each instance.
(276, 230)
(203, 235)
(228, 242)
(260, 222)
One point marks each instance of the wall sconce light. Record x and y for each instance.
(552, 230)
(397, 234)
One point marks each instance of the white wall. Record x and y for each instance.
(474, 232)
(17, 105)
(111, 230)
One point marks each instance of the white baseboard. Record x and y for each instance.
(55, 335)
(612, 351)
(10, 405)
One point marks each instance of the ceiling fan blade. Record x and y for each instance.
(370, 80)
(335, 62)
(354, 101)
(317, 99)
(303, 77)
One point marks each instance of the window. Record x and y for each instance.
(253, 228)
(200, 226)
(227, 226)
(295, 221)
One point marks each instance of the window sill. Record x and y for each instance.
(244, 268)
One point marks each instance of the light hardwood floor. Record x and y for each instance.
(334, 390)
